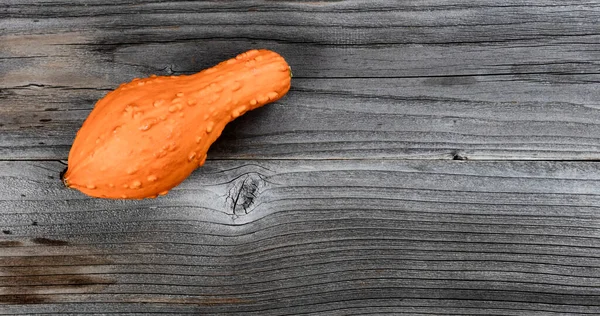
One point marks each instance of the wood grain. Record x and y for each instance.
(346, 197)
(305, 236)
(358, 118)
(416, 79)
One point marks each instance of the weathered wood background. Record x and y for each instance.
(433, 157)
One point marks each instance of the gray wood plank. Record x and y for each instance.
(72, 59)
(431, 118)
(103, 43)
(308, 236)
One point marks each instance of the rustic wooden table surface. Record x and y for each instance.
(434, 157)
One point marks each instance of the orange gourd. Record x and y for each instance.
(148, 135)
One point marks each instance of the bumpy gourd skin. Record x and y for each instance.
(148, 135)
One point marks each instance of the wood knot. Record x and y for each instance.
(459, 156)
(243, 193)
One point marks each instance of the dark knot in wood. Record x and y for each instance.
(244, 192)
